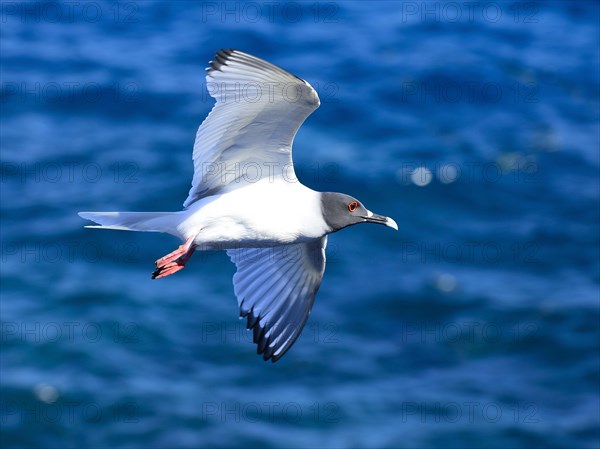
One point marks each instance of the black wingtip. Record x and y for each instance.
(221, 58)
(252, 319)
(224, 53)
(258, 337)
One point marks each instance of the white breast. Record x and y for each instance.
(266, 213)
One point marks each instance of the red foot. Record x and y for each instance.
(183, 249)
(174, 261)
(167, 270)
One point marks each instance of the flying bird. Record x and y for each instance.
(245, 199)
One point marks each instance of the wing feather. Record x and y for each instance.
(276, 288)
(259, 108)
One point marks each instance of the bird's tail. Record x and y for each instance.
(134, 221)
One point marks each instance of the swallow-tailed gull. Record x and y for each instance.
(246, 199)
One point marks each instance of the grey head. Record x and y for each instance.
(341, 210)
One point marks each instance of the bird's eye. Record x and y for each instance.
(352, 206)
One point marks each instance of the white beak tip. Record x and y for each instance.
(391, 223)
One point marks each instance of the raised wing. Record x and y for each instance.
(276, 288)
(248, 134)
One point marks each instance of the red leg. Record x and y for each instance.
(172, 256)
(175, 261)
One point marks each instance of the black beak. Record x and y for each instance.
(380, 219)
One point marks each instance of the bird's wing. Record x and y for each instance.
(276, 288)
(248, 134)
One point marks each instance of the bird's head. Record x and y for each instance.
(341, 210)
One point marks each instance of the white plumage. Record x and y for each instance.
(246, 199)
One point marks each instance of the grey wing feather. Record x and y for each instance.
(276, 289)
(258, 111)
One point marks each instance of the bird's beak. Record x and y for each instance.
(380, 219)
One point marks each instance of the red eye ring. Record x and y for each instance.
(353, 206)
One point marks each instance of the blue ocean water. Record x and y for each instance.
(475, 125)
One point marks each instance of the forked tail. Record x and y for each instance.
(135, 221)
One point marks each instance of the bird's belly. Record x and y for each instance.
(234, 235)
(254, 218)
(231, 232)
